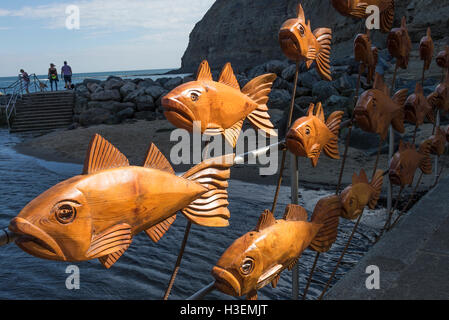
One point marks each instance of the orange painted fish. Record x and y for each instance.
(360, 194)
(220, 107)
(299, 43)
(96, 215)
(400, 45)
(426, 49)
(376, 110)
(443, 58)
(438, 142)
(357, 9)
(311, 135)
(439, 99)
(417, 107)
(407, 160)
(259, 257)
(366, 54)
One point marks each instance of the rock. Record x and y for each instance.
(131, 97)
(86, 82)
(173, 83)
(145, 83)
(73, 126)
(323, 90)
(145, 115)
(125, 114)
(106, 95)
(298, 112)
(113, 83)
(188, 79)
(145, 103)
(94, 116)
(82, 91)
(280, 83)
(289, 73)
(345, 82)
(302, 91)
(127, 88)
(93, 86)
(242, 80)
(100, 104)
(162, 81)
(307, 80)
(81, 104)
(276, 66)
(279, 99)
(155, 91)
(336, 103)
(305, 101)
(256, 71)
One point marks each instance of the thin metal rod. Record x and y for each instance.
(414, 134)
(7, 237)
(341, 257)
(309, 280)
(381, 142)
(294, 174)
(438, 177)
(284, 153)
(199, 295)
(178, 261)
(391, 212)
(437, 158)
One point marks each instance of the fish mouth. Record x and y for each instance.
(226, 282)
(395, 178)
(362, 118)
(177, 113)
(289, 43)
(410, 112)
(295, 144)
(35, 241)
(394, 42)
(360, 48)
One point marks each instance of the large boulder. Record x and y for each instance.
(81, 104)
(127, 88)
(86, 82)
(82, 91)
(106, 95)
(173, 83)
(323, 90)
(94, 86)
(113, 83)
(145, 103)
(145, 83)
(279, 99)
(155, 91)
(125, 114)
(94, 116)
(132, 97)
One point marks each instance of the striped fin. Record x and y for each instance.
(157, 231)
(333, 124)
(387, 18)
(376, 184)
(109, 260)
(324, 38)
(232, 134)
(228, 78)
(426, 162)
(266, 220)
(102, 155)
(295, 212)
(156, 160)
(112, 240)
(359, 11)
(204, 72)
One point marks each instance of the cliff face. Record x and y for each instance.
(245, 32)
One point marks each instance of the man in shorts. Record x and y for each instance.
(66, 72)
(26, 80)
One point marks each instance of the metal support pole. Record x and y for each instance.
(437, 158)
(199, 295)
(7, 237)
(390, 155)
(294, 174)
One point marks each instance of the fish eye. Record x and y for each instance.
(65, 212)
(247, 266)
(307, 131)
(301, 30)
(194, 96)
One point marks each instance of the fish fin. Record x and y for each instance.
(333, 123)
(426, 163)
(379, 84)
(112, 240)
(228, 78)
(275, 281)
(398, 121)
(110, 259)
(387, 18)
(316, 111)
(252, 295)
(213, 130)
(311, 54)
(324, 38)
(433, 100)
(204, 72)
(326, 217)
(376, 184)
(258, 90)
(232, 134)
(309, 63)
(157, 231)
(102, 155)
(292, 263)
(266, 220)
(300, 12)
(295, 212)
(359, 11)
(362, 178)
(431, 115)
(211, 209)
(418, 88)
(156, 160)
(315, 159)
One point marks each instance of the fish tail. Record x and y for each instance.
(327, 213)
(333, 123)
(426, 163)
(398, 120)
(324, 38)
(211, 209)
(387, 18)
(258, 90)
(359, 11)
(376, 184)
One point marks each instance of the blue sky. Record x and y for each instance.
(114, 35)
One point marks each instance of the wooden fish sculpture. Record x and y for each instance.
(259, 257)
(312, 134)
(407, 160)
(400, 45)
(357, 9)
(299, 43)
(220, 107)
(443, 58)
(426, 49)
(366, 54)
(438, 142)
(417, 107)
(439, 99)
(376, 110)
(360, 194)
(97, 214)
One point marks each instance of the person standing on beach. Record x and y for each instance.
(53, 76)
(26, 80)
(66, 72)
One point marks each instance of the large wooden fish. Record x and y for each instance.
(407, 160)
(96, 215)
(376, 110)
(438, 142)
(299, 43)
(357, 9)
(366, 54)
(259, 257)
(443, 58)
(312, 134)
(417, 107)
(400, 45)
(220, 107)
(439, 99)
(426, 49)
(360, 194)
